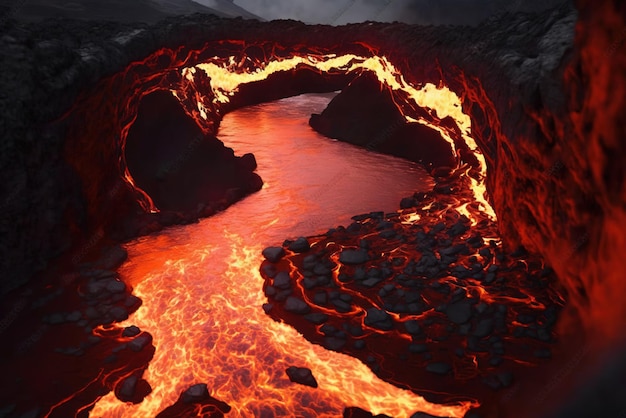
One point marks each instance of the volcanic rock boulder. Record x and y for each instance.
(181, 169)
(301, 375)
(364, 114)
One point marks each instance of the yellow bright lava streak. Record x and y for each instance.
(225, 81)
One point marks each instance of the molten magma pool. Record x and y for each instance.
(201, 288)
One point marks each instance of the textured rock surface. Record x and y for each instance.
(541, 145)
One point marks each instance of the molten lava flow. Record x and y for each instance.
(227, 75)
(230, 344)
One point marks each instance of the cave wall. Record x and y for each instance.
(551, 182)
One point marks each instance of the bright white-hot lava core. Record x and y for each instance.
(215, 332)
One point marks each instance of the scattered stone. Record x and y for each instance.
(269, 270)
(282, 295)
(483, 328)
(378, 318)
(273, 254)
(267, 307)
(320, 298)
(93, 339)
(282, 280)
(360, 273)
(372, 281)
(439, 368)
(131, 301)
(119, 313)
(341, 306)
(112, 258)
(485, 252)
(196, 393)
(141, 341)
(418, 348)
(301, 375)
(127, 388)
(320, 269)
(119, 348)
(317, 318)
(412, 327)
(334, 343)
(353, 256)
(131, 331)
(459, 312)
(296, 305)
(454, 250)
(115, 286)
(492, 381)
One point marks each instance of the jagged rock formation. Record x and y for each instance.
(177, 165)
(365, 114)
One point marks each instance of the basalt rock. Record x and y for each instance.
(179, 166)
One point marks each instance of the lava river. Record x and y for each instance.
(202, 291)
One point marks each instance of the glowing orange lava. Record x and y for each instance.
(224, 339)
(216, 333)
